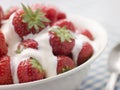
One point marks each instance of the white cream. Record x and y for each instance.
(77, 48)
(44, 53)
(11, 37)
(79, 40)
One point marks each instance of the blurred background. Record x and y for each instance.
(107, 13)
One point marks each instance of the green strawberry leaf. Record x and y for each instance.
(34, 19)
(36, 64)
(63, 33)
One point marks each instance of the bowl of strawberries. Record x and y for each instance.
(43, 48)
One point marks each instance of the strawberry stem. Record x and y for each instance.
(67, 68)
(63, 33)
(34, 19)
(36, 64)
(18, 51)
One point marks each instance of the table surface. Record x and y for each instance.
(104, 11)
(98, 74)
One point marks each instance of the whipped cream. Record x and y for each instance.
(44, 52)
(79, 40)
(44, 55)
(10, 35)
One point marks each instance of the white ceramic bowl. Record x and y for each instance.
(71, 79)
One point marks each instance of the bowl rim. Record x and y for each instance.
(82, 66)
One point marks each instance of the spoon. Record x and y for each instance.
(114, 67)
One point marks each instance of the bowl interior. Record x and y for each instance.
(99, 44)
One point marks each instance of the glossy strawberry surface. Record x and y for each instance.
(86, 52)
(28, 43)
(27, 21)
(3, 45)
(65, 23)
(5, 71)
(64, 64)
(62, 41)
(30, 70)
(88, 34)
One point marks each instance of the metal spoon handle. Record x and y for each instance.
(111, 83)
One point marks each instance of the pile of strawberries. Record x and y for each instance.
(34, 19)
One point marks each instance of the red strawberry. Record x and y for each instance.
(50, 11)
(27, 21)
(87, 33)
(85, 53)
(10, 12)
(1, 14)
(30, 70)
(51, 14)
(64, 64)
(3, 46)
(5, 71)
(29, 43)
(21, 28)
(65, 23)
(61, 15)
(62, 41)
